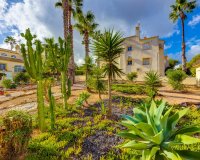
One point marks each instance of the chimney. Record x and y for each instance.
(137, 30)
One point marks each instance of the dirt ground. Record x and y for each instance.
(191, 95)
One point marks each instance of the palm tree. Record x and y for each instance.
(73, 7)
(86, 26)
(179, 10)
(108, 47)
(10, 40)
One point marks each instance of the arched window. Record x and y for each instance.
(4, 55)
(13, 56)
(129, 61)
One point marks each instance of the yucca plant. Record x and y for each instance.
(152, 82)
(155, 133)
(34, 64)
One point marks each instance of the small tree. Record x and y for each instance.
(132, 76)
(175, 79)
(108, 47)
(10, 40)
(152, 82)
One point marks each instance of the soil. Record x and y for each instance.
(190, 96)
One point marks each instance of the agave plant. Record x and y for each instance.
(154, 132)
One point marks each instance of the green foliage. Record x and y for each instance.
(15, 133)
(175, 79)
(79, 72)
(132, 76)
(35, 64)
(51, 107)
(128, 88)
(152, 82)
(21, 78)
(155, 133)
(6, 83)
(83, 97)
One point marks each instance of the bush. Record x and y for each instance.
(155, 133)
(175, 79)
(83, 97)
(21, 78)
(132, 76)
(79, 72)
(152, 82)
(15, 134)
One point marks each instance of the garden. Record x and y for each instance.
(115, 125)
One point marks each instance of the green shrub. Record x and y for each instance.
(128, 88)
(131, 76)
(21, 78)
(83, 97)
(7, 83)
(155, 133)
(152, 82)
(79, 72)
(175, 79)
(17, 129)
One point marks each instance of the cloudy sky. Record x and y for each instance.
(46, 21)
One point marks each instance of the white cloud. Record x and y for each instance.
(168, 46)
(195, 20)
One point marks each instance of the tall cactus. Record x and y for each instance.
(34, 66)
(51, 107)
(60, 55)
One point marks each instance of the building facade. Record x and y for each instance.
(11, 62)
(143, 54)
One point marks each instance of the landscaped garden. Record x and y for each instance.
(105, 120)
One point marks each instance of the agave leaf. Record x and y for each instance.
(159, 114)
(173, 120)
(146, 128)
(158, 138)
(171, 155)
(129, 118)
(149, 154)
(164, 120)
(151, 122)
(188, 130)
(186, 139)
(139, 114)
(153, 109)
(189, 155)
(128, 135)
(137, 145)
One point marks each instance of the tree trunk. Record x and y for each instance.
(40, 100)
(71, 68)
(86, 41)
(65, 18)
(184, 60)
(63, 88)
(109, 97)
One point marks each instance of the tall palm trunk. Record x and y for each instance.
(65, 18)
(109, 96)
(184, 60)
(64, 89)
(86, 41)
(40, 100)
(71, 69)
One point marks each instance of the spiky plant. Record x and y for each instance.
(60, 55)
(155, 133)
(34, 64)
(108, 47)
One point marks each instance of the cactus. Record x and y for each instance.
(34, 66)
(60, 55)
(51, 107)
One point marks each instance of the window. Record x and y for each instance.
(146, 61)
(130, 61)
(130, 48)
(18, 69)
(4, 55)
(13, 56)
(2, 67)
(146, 46)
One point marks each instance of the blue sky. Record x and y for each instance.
(46, 21)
